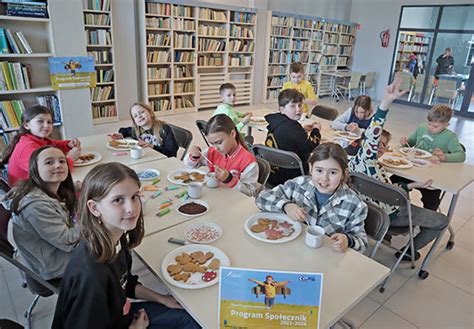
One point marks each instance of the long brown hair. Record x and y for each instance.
(331, 151)
(97, 184)
(365, 102)
(65, 192)
(222, 123)
(156, 124)
(29, 114)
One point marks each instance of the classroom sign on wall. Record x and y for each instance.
(72, 72)
(251, 298)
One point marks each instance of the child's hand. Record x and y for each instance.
(144, 144)
(308, 127)
(317, 125)
(195, 151)
(339, 242)
(74, 143)
(115, 136)
(246, 118)
(169, 302)
(440, 154)
(221, 173)
(404, 141)
(426, 184)
(353, 127)
(392, 92)
(295, 212)
(140, 320)
(74, 153)
(248, 113)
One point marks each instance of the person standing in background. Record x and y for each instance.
(445, 63)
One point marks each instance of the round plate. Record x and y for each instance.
(423, 163)
(125, 144)
(97, 157)
(395, 162)
(253, 220)
(205, 204)
(203, 232)
(148, 174)
(195, 281)
(347, 134)
(258, 120)
(174, 178)
(419, 153)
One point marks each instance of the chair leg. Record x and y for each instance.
(394, 267)
(376, 247)
(30, 310)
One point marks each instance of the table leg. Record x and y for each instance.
(249, 130)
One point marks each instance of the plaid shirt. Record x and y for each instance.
(344, 212)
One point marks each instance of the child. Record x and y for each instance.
(286, 133)
(323, 199)
(270, 289)
(42, 208)
(435, 137)
(149, 131)
(97, 282)
(431, 223)
(228, 156)
(303, 86)
(35, 131)
(227, 92)
(356, 117)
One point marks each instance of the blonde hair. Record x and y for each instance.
(156, 124)
(440, 113)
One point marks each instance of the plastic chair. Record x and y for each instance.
(278, 158)
(368, 81)
(183, 138)
(376, 226)
(407, 81)
(418, 87)
(352, 84)
(202, 127)
(263, 173)
(446, 89)
(325, 112)
(392, 195)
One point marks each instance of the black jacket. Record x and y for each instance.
(289, 135)
(168, 147)
(93, 294)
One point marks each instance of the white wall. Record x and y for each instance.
(335, 9)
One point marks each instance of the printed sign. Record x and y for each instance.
(251, 298)
(72, 72)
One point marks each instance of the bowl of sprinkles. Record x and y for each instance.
(203, 232)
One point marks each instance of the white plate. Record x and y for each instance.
(423, 163)
(407, 163)
(148, 174)
(210, 232)
(422, 154)
(271, 215)
(178, 172)
(195, 281)
(347, 134)
(258, 120)
(205, 204)
(97, 158)
(128, 143)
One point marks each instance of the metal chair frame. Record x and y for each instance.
(183, 136)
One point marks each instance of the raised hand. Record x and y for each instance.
(392, 92)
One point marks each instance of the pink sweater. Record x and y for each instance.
(18, 165)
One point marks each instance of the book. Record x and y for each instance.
(11, 41)
(6, 75)
(18, 109)
(18, 43)
(3, 42)
(24, 42)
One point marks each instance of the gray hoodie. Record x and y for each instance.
(43, 234)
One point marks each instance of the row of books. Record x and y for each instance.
(183, 24)
(103, 5)
(413, 48)
(211, 30)
(240, 60)
(301, 33)
(346, 39)
(183, 40)
(342, 61)
(158, 56)
(160, 105)
(158, 39)
(280, 30)
(277, 57)
(97, 19)
(300, 57)
(237, 31)
(279, 43)
(211, 14)
(183, 102)
(241, 17)
(183, 11)
(183, 71)
(315, 57)
(102, 93)
(158, 8)
(331, 38)
(276, 81)
(211, 45)
(13, 42)
(328, 61)
(305, 23)
(36, 9)
(313, 68)
(101, 56)
(241, 45)
(273, 93)
(329, 50)
(158, 22)
(155, 89)
(15, 76)
(105, 75)
(99, 37)
(183, 56)
(316, 45)
(51, 102)
(282, 21)
(277, 69)
(301, 44)
(347, 50)
(104, 111)
(317, 35)
(155, 73)
(183, 87)
(210, 60)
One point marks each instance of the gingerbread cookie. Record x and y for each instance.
(214, 264)
(199, 257)
(174, 269)
(183, 259)
(182, 277)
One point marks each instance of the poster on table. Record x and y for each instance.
(250, 298)
(72, 72)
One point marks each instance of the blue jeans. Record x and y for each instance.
(162, 317)
(269, 302)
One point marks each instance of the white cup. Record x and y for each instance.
(195, 190)
(137, 152)
(211, 180)
(314, 236)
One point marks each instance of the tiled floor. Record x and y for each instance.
(444, 300)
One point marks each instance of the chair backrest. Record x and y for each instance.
(377, 190)
(377, 222)
(183, 138)
(369, 79)
(325, 112)
(407, 80)
(278, 158)
(355, 80)
(446, 89)
(263, 172)
(202, 127)
(420, 81)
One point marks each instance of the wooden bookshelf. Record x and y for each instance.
(98, 27)
(28, 73)
(208, 47)
(409, 43)
(321, 45)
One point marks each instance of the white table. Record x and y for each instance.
(348, 277)
(97, 143)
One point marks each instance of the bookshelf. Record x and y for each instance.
(98, 28)
(320, 44)
(196, 50)
(409, 43)
(24, 76)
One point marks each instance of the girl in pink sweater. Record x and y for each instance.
(35, 130)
